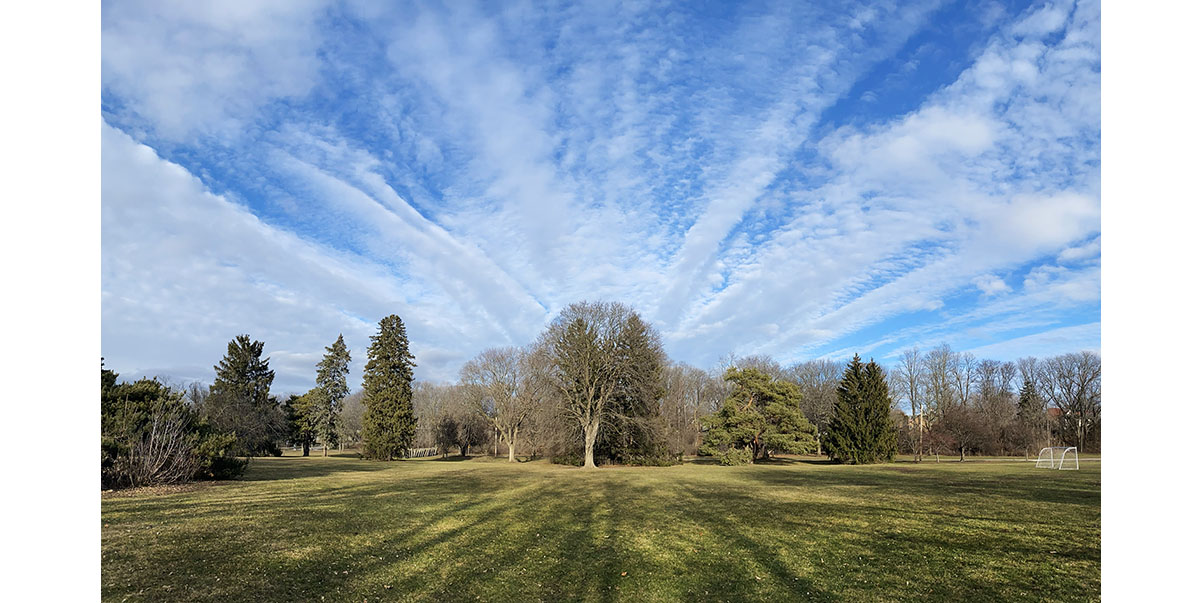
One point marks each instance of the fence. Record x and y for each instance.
(410, 453)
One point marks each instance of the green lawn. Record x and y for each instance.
(341, 529)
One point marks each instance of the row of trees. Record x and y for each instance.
(153, 433)
(596, 387)
(955, 401)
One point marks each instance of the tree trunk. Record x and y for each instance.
(920, 430)
(511, 442)
(961, 454)
(325, 449)
(305, 448)
(590, 439)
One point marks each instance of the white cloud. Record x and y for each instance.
(1085, 337)
(183, 271)
(523, 172)
(1087, 251)
(990, 284)
(205, 68)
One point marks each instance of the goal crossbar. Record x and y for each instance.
(1058, 457)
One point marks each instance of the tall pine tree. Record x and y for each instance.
(332, 388)
(388, 422)
(861, 430)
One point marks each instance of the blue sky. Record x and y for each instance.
(790, 179)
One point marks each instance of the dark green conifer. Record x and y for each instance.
(760, 416)
(1030, 406)
(388, 421)
(633, 431)
(240, 399)
(861, 430)
(331, 389)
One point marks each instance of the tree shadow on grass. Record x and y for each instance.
(794, 460)
(449, 531)
(861, 547)
(950, 481)
(297, 467)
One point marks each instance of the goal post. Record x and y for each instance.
(1058, 457)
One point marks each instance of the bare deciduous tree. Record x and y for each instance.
(1073, 382)
(350, 420)
(818, 381)
(939, 369)
(689, 393)
(586, 362)
(964, 376)
(910, 377)
(505, 386)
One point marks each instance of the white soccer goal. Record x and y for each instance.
(1055, 457)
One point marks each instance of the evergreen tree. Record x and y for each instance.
(1032, 416)
(240, 399)
(633, 431)
(760, 416)
(861, 430)
(298, 411)
(331, 389)
(388, 422)
(150, 434)
(1030, 406)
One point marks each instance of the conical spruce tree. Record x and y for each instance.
(388, 421)
(240, 399)
(331, 385)
(861, 430)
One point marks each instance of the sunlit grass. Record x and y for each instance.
(344, 529)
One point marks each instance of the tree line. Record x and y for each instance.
(596, 387)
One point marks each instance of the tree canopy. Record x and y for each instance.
(861, 429)
(240, 398)
(331, 389)
(388, 421)
(761, 415)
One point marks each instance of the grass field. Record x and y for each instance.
(341, 529)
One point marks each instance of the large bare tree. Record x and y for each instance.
(506, 387)
(587, 362)
(818, 381)
(910, 378)
(1073, 382)
(964, 376)
(939, 369)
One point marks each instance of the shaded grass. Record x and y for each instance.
(345, 529)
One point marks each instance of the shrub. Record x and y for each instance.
(575, 459)
(660, 459)
(735, 456)
(151, 436)
(216, 459)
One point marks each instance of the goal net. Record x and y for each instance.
(1058, 457)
